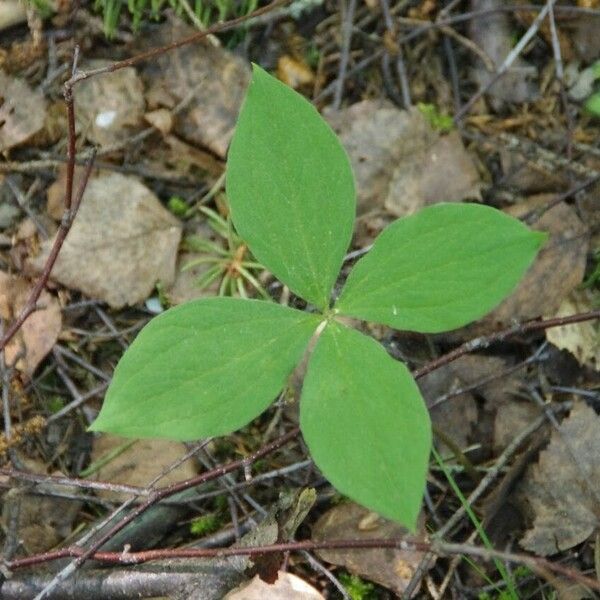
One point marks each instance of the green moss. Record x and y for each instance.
(592, 105)
(357, 588)
(205, 525)
(55, 403)
(178, 206)
(437, 119)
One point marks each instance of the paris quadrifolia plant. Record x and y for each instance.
(208, 367)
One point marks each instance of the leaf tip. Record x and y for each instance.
(258, 72)
(540, 237)
(94, 427)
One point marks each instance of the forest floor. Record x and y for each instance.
(486, 101)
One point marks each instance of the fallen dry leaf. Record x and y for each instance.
(287, 587)
(390, 568)
(185, 158)
(525, 174)
(210, 81)
(582, 340)
(400, 162)
(562, 491)
(161, 119)
(55, 194)
(110, 107)
(279, 525)
(11, 13)
(494, 35)
(186, 287)
(139, 463)
(122, 243)
(294, 72)
(455, 416)
(510, 413)
(44, 519)
(39, 333)
(22, 111)
(443, 172)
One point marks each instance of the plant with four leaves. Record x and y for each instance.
(208, 367)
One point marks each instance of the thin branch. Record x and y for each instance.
(186, 41)
(488, 340)
(510, 59)
(65, 226)
(81, 554)
(441, 548)
(347, 26)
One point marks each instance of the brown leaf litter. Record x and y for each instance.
(39, 333)
(391, 568)
(457, 415)
(400, 162)
(582, 340)
(122, 243)
(494, 36)
(44, 521)
(561, 492)
(137, 463)
(287, 587)
(210, 81)
(22, 111)
(110, 108)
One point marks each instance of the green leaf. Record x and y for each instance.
(440, 269)
(592, 104)
(366, 424)
(290, 188)
(204, 368)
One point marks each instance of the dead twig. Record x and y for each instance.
(81, 554)
(438, 547)
(487, 340)
(65, 226)
(508, 61)
(347, 25)
(186, 41)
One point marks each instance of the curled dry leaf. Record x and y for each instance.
(22, 111)
(121, 244)
(287, 587)
(582, 340)
(562, 491)
(392, 569)
(39, 333)
(109, 108)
